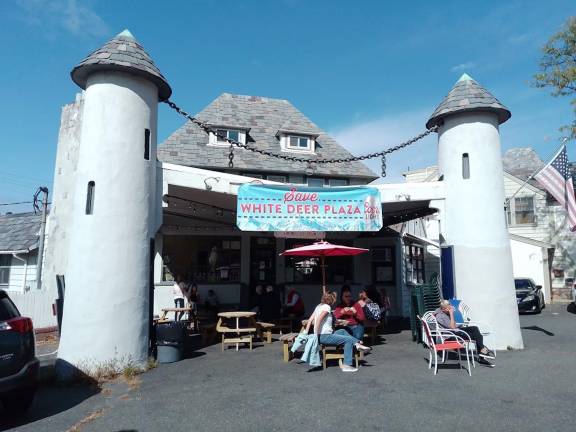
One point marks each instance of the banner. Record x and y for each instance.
(296, 208)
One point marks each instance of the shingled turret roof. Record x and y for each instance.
(468, 95)
(264, 118)
(122, 53)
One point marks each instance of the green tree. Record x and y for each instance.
(558, 68)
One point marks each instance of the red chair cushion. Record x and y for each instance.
(449, 345)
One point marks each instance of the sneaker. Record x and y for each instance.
(346, 368)
(485, 362)
(488, 354)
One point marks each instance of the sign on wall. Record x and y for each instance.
(291, 208)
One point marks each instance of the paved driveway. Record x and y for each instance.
(529, 390)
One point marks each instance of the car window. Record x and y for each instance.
(522, 284)
(7, 309)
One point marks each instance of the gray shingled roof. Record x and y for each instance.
(122, 53)
(468, 95)
(264, 117)
(19, 232)
(522, 162)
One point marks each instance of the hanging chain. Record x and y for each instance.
(233, 143)
(231, 156)
(383, 166)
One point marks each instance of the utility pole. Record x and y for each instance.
(44, 203)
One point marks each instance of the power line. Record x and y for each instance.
(16, 203)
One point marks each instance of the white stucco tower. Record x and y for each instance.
(106, 309)
(470, 164)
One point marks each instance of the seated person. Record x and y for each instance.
(271, 306)
(351, 312)
(322, 323)
(211, 302)
(294, 304)
(445, 318)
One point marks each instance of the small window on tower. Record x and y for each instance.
(465, 166)
(147, 144)
(90, 197)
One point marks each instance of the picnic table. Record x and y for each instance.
(192, 318)
(236, 335)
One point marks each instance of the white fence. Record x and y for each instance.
(36, 305)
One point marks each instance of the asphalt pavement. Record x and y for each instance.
(528, 390)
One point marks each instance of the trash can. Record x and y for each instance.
(170, 339)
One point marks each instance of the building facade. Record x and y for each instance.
(543, 248)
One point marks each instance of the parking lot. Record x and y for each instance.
(528, 390)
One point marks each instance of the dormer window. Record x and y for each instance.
(228, 133)
(291, 142)
(298, 142)
(217, 139)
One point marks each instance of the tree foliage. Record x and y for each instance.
(558, 68)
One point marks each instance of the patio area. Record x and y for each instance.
(528, 390)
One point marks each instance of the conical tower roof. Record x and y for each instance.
(122, 53)
(468, 95)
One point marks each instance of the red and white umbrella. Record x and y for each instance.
(324, 249)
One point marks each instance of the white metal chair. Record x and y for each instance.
(455, 344)
(442, 334)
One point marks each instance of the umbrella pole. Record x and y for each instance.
(323, 275)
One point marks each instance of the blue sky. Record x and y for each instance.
(370, 74)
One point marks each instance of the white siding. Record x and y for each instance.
(22, 276)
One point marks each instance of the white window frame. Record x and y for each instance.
(213, 139)
(511, 212)
(8, 267)
(285, 144)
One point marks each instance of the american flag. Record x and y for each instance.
(556, 178)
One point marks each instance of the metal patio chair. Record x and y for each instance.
(438, 344)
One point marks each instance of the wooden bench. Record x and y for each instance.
(333, 353)
(287, 341)
(265, 331)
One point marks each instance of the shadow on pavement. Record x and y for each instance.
(540, 329)
(50, 400)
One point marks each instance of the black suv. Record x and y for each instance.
(18, 363)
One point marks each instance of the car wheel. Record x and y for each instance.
(538, 307)
(16, 403)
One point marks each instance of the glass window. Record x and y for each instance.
(315, 182)
(338, 182)
(520, 211)
(414, 256)
(5, 261)
(296, 142)
(276, 178)
(524, 210)
(227, 133)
